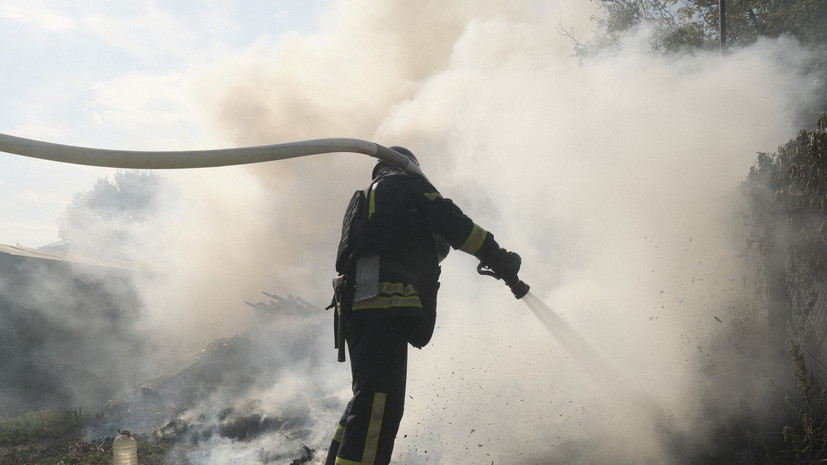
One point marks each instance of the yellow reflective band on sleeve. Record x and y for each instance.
(433, 196)
(340, 431)
(474, 241)
(391, 295)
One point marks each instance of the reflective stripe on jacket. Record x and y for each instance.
(404, 213)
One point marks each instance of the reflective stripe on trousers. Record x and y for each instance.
(372, 436)
(367, 430)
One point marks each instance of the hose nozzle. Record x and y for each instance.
(518, 288)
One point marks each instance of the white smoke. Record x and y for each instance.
(613, 176)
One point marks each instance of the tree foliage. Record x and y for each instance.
(788, 202)
(682, 24)
(807, 433)
(115, 213)
(792, 184)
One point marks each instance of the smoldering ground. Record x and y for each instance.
(614, 176)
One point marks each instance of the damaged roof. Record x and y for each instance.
(54, 255)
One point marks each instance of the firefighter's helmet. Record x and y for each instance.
(402, 150)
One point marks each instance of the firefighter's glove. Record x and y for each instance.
(505, 265)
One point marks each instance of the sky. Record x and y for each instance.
(614, 176)
(113, 74)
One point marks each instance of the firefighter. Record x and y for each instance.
(394, 235)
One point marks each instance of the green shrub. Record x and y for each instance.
(40, 425)
(807, 436)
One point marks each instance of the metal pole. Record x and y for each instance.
(722, 22)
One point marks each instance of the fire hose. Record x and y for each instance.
(137, 159)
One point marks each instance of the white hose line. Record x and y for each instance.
(136, 159)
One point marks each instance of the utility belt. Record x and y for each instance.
(362, 283)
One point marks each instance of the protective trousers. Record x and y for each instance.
(378, 350)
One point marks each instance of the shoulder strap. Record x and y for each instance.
(353, 222)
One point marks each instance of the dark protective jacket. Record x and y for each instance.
(385, 298)
(406, 219)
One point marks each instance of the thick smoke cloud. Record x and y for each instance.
(614, 176)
